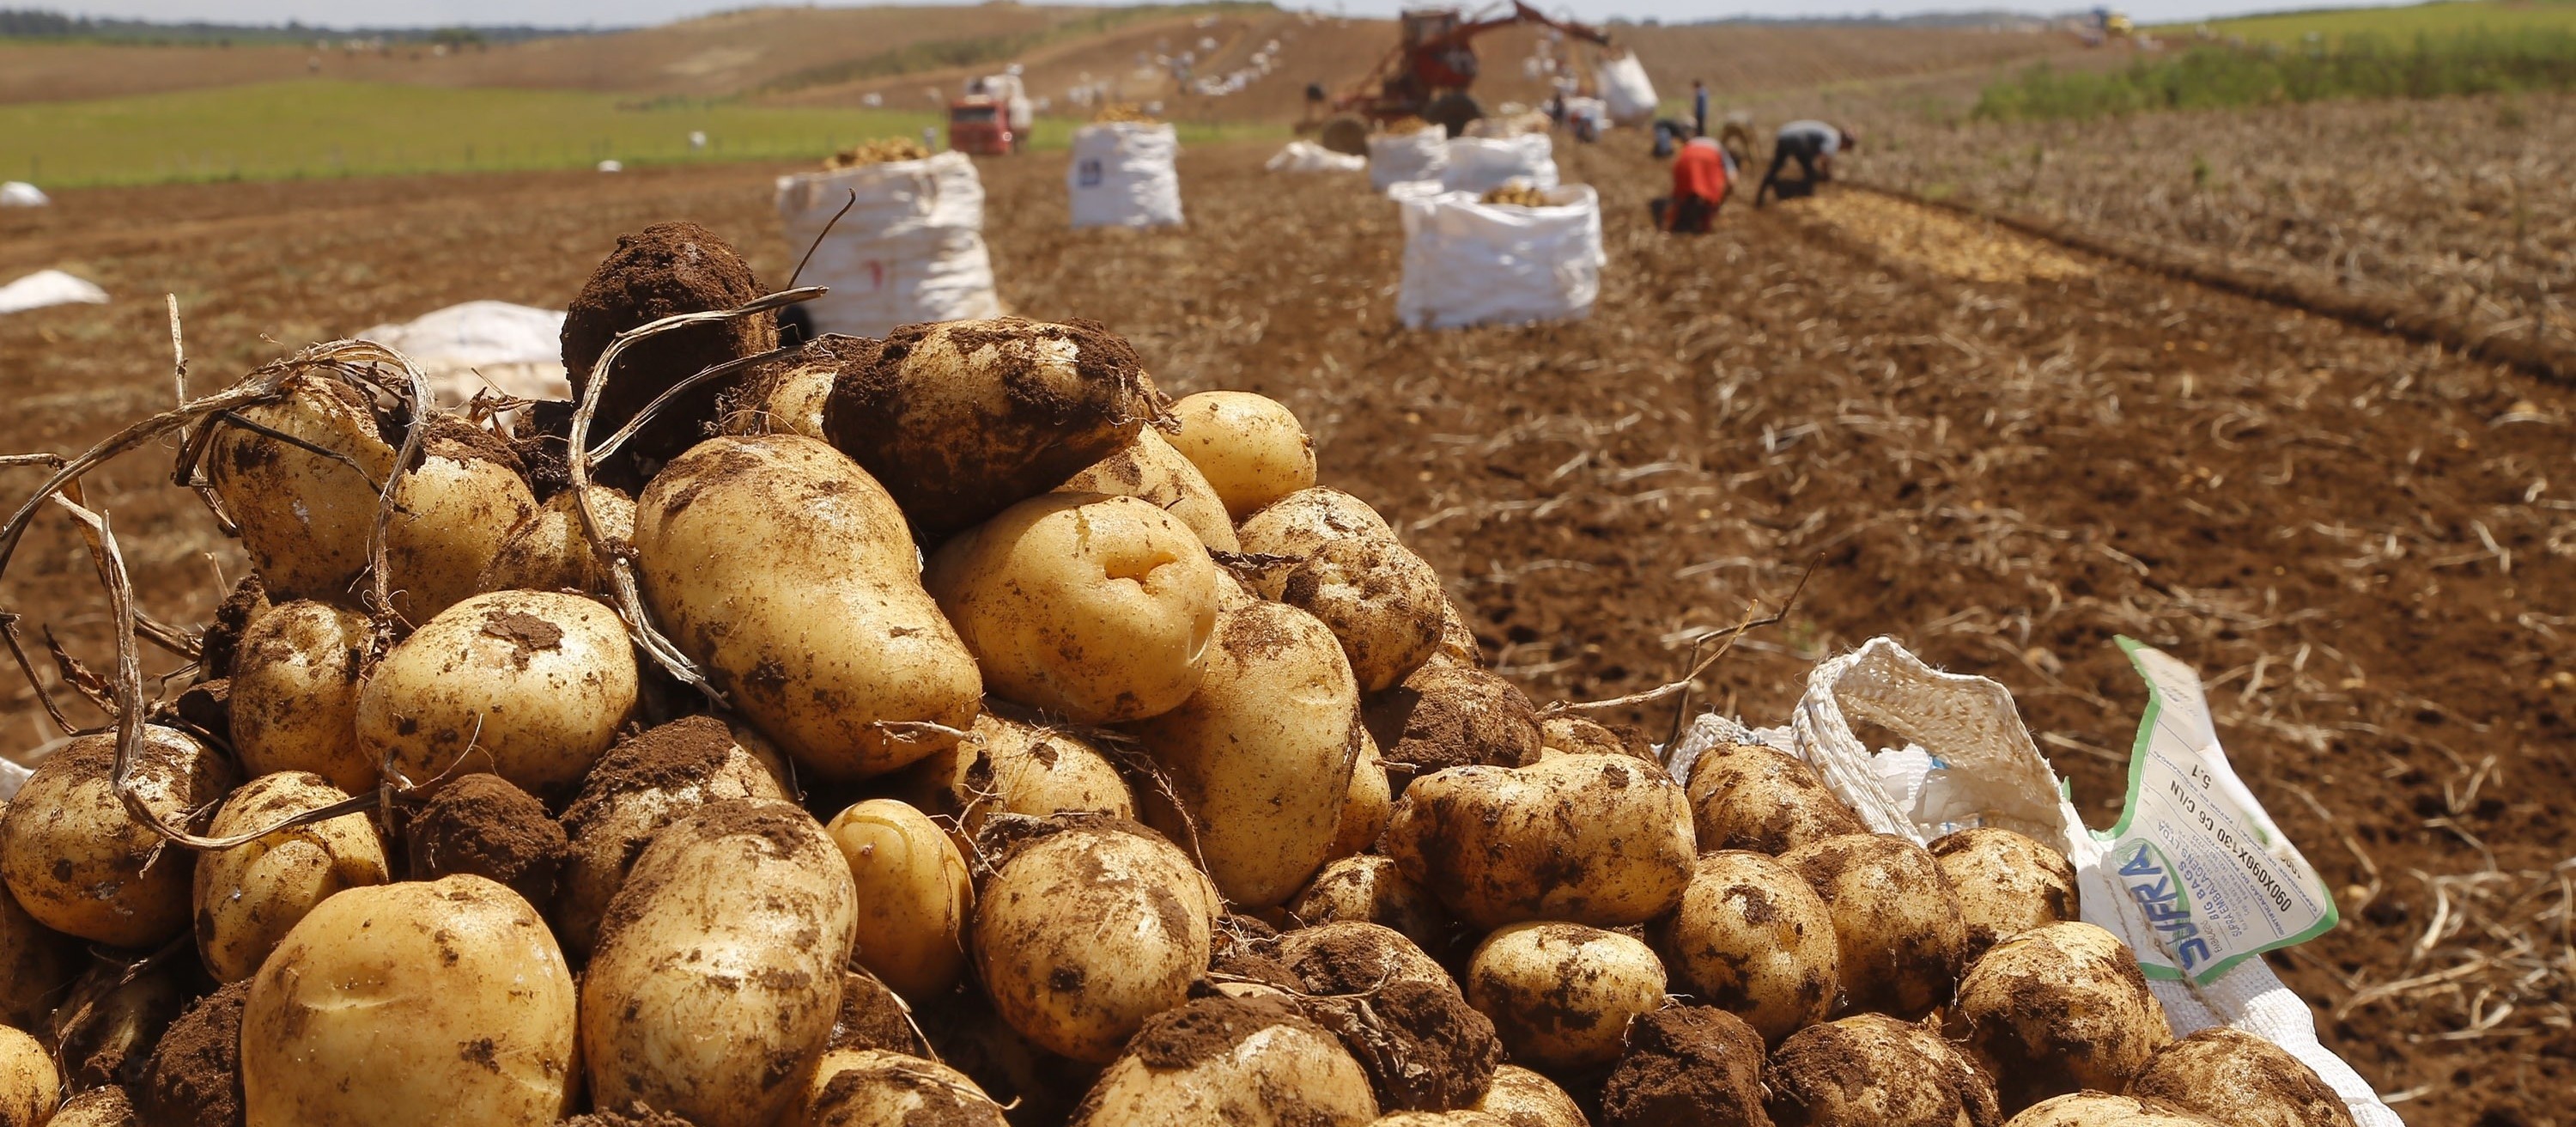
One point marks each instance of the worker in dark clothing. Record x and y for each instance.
(1813, 145)
(1699, 108)
(1314, 100)
(1702, 174)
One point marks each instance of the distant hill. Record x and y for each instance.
(27, 23)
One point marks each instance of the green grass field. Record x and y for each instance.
(2396, 23)
(319, 128)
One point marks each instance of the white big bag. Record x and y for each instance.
(1122, 175)
(1473, 263)
(1402, 158)
(1482, 164)
(910, 250)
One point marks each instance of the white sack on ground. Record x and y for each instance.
(1122, 175)
(48, 287)
(1626, 88)
(514, 350)
(910, 250)
(1482, 164)
(19, 193)
(1307, 156)
(1403, 158)
(1471, 263)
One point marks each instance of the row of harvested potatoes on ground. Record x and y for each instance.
(1166, 788)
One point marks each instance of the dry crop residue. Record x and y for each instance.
(1915, 236)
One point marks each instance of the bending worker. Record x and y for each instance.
(1702, 173)
(1813, 145)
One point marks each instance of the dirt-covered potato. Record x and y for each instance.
(1353, 951)
(2058, 1009)
(98, 1107)
(1397, 1010)
(1233, 1061)
(1561, 994)
(452, 514)
(1463, 1117)
(1449, 715)
(963, 419)
(1522, 1098)
(528, 685)
(1084, 933)
(2240, 1079)
(1896, 922)
(914, 895)
(1149, 469)
(1293, 526)
(1871, 1070)
(250, 895)
(2007, 883)
(1252, 450)
(1098, 609)
(29, 1086)
(1381, 601)
(1745, 796)
(786, 395)
(875, 1088)
(640, 786)
(664, 269)
(785, 570)
(1007, 765)
(36, 962)
(1458, 640)
(873, 1016)
(718, 971)
(221, 642)
(1594, 839)
(113, 1014)
(480, 824)
(2096, 1109)
(1261, 755)
(81, 865)
(549, 551)
(1366, 805)
(193, 1078)
(1751, 938)
(415, 1003)
(1573, 735)
(295, 693)
(1686, 1065)
(1371, 889)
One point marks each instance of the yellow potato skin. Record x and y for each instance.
(251, 895)
(1012, 766)
(915, 897)
(1251, 449)
(786, 571)
(550, 551)
(1293, 526)
(1486, 840)
(874, 1087)
(532, 685)
(29, 1085)
(1561, 994)
(1086, 933)
(1149, 469)
(1751, 938)
(295, 693)
(417, 1004)
(1522, 1098)
(81, 865)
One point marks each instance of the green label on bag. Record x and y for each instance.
(2210, 874)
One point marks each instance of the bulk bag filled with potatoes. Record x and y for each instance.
(1122, 175)
(1402, 158)
(910, 249)
(1467, 262)
(1482, 164)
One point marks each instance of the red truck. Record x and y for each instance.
(979, 125)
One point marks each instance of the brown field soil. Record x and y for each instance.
(2000, 456)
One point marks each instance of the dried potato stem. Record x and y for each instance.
(1683, 685)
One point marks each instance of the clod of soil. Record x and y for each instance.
(483, 825)
(1423, 1046)
(1447, 715)
(635, 1115)
(208, 707)
(872, 1017)
(542, 439)
(1688, 1066)
(662, 270)
(193, 1078)
(222, 640)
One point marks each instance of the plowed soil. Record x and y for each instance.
(2002, 465)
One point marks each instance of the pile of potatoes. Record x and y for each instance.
(1067, 756)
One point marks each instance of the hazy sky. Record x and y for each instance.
(574, 13)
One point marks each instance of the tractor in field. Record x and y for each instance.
(1428, 72)
(992, 119)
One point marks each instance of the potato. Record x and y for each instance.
(1449, 715)
(1686, 1064)
(1261, 755)
(1326, 956)
(782, 568)
(2238, 1078)
(1370, 888)
(914, 895)
(718, 971)
(529, 685)
(1561, 994)
(1458, 640)
(1007, 765)
(114, 1014)
(193, 1078)
(1149, 469)
(480, 824)
(963, 419)
(664, 269)
(412, 1003)
(1251, 449)
(80, 864)
(1083, 934)
(1745, 796)
(221, 642)
(1366, 805)
(1253, 1061)
(453, 513)
(295, 694)
(1594, 839)
(550, 550)
(873, 1016)
(1574, 735)
(1040, 1087)
(29, 1086)
(1522, 1098)
(1464, 1117)
(2094, 1109)
(2007, 883)
(36, 962)
(249, 896)
(98, 1107)
(786, 396)
(1293, 526)
(1381, 601)
(1423, 1045)
(2058, 1009)
(640, 786)
(1897, 930)
(1750, 938)
(875, 1088)
(1871, 1070)
(1095, 608)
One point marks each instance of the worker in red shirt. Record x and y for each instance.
(1702, 172)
